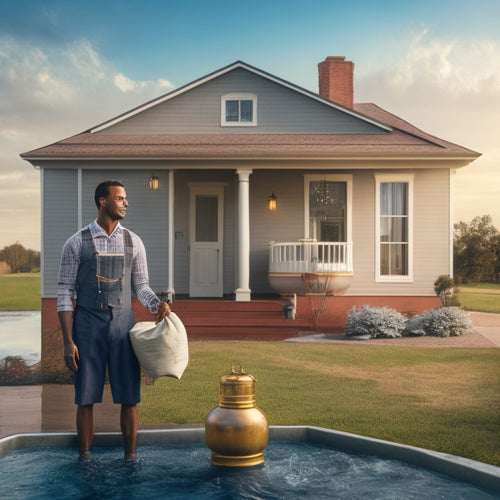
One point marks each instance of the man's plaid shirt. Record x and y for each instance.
(70, 260)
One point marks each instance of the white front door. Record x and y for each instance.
(206, 240)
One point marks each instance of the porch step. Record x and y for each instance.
(229, 320)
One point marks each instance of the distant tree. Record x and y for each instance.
(476, 251)
(33, 259)
(13, 255)
(20, 258)
(496, 246)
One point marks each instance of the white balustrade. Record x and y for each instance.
(309, 256)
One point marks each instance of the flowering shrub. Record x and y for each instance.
(440, 322)
(377, 322)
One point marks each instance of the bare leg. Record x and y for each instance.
(85, 428)
(128, 424)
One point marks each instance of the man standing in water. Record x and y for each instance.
(101, 265)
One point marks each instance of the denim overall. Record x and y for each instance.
(102, 319)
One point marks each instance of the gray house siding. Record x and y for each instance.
(279, 110)
(432, 242)
(431, 233)
(285, 224)
(147, 216)
(59, 221)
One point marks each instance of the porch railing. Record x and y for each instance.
(309, 256)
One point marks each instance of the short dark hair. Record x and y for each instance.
(102, 190)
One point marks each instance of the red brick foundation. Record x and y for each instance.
(334, 316)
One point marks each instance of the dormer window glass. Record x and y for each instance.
(239, 110)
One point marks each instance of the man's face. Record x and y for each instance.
(115, 204)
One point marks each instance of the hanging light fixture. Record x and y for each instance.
(322, 196)
(272, 202)
(154, 182)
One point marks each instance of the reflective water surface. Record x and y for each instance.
(183, 471)
(20, 335)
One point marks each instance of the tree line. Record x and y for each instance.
(476, 251)
(20, 259)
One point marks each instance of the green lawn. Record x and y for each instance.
(484, 297)
(20, 292)
(441, 399)
(483, 286)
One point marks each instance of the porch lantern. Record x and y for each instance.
(154, 182)
(272, 202)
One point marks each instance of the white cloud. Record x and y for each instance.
(51, 90)
(455, 65)
(85, 61)
(47, 94)
(449, 88)
(123, 83)
(126, 84)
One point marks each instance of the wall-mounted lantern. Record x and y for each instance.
(272, 202)
(154, 182)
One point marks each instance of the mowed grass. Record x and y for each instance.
(20, 292)
(484, 297)
(436, 398)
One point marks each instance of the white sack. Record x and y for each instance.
(162, 349)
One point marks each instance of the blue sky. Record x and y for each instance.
(68, 65)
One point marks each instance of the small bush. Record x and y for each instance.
(415, 327)
(13, 369)
(377, 322)
(444, 288)
(440, 322)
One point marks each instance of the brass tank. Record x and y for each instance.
(237, 431)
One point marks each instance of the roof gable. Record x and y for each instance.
(339, 113)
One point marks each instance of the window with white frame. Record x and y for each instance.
(328, 207)
(239, 110)
(394, 227)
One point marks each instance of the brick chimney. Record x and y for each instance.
(336, 80)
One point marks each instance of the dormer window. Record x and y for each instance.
(239, 110)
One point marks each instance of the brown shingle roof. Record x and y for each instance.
(404, 140)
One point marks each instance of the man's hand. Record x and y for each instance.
(162, 311)
(71, 356)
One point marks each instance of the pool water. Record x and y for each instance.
(183, 471)
(20, 335)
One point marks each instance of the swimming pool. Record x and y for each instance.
(300, 462)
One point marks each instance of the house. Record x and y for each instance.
(243, 186)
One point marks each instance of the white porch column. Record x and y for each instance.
(242, 293)
(171, 235)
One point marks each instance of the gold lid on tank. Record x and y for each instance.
(237, 389)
